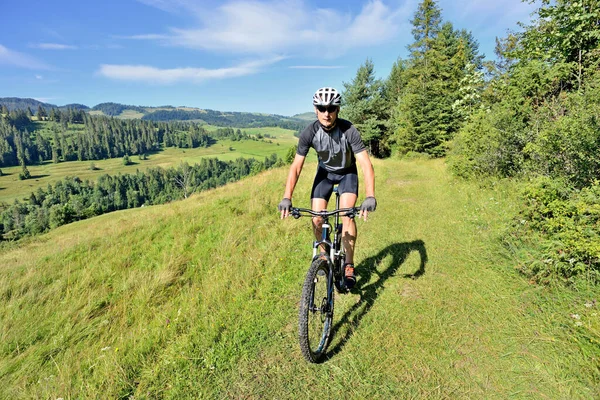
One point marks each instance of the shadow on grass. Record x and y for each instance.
(369, 292)
(39, 176)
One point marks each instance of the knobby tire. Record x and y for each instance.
(315, 325)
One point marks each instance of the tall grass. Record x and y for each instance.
(198, 299)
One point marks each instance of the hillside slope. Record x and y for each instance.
(198, 299)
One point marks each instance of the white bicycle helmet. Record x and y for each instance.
(327, 96)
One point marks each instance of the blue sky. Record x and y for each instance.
(240, 55)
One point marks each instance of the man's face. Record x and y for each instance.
(327, 115)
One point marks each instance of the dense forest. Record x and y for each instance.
(233, 119)
(98, 138)
(533, 115)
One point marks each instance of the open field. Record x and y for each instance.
(198, 299)
(130, 114)
(12, 188)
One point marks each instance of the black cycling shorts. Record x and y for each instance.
(347, 182)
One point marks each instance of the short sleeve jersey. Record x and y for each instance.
(336, 148)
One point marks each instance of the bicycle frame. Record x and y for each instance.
(333, 250)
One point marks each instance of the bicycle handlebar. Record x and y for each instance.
(302, 212)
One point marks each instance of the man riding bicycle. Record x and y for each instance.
(339, 146)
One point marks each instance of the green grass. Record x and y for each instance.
(12, 188)
(130, 114)
(198, 299)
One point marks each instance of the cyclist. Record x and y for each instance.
(339, 146)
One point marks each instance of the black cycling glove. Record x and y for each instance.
(285, 204)
(370, 204)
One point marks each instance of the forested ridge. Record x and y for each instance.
(162, 113)
(233, 119)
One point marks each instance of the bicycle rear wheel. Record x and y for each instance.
(316, 313)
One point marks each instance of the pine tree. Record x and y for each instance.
(423, 119)
(41, 113)
(363, 104)
(24, 173)
(395, 82)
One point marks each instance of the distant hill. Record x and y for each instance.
(231, 119)
(115, 109)
(17, 103)
(75, 106)
(170, 113)
(307, 116)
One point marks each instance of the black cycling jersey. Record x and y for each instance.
(336, 148)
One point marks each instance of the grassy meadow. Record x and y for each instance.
(11, 187)
(199, 298)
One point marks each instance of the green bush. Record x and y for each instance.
(291, 154)
(567, 142)
(562, 226)
(490, 144)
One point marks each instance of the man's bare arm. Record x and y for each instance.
(369, 175)
(292, 179)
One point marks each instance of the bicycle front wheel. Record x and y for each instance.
(316, 312)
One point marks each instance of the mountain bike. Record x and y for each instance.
(326, 272)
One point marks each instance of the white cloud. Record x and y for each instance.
(170, 6)
(144, 73)
(53, 46)
(14, 58)
(39, 77)
(284, 26)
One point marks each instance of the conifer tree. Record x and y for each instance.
(363, 103)
(41, 113)
(25, 174)
(423, 119)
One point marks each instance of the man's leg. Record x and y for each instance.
(348, 200)
(318, 205)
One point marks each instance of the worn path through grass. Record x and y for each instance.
(198, 299)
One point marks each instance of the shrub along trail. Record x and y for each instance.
(198, 299)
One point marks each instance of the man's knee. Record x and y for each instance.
(317, 222)
(347, 221)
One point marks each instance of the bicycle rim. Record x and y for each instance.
(316, 313)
